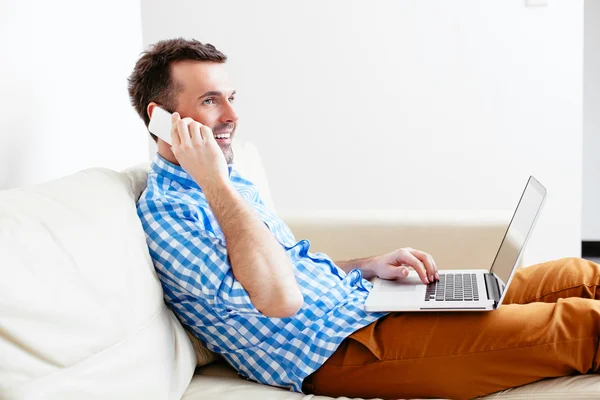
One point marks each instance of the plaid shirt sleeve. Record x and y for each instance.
(191, 257)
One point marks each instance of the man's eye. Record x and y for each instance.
(231, 99)
(208, 101)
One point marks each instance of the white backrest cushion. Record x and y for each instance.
(81, 308)
(246, 160)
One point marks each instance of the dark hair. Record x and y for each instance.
(151, 76)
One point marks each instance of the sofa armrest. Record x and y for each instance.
(456, 239)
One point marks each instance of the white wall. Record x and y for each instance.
(64, 90)
(445, 105)
(591, 122)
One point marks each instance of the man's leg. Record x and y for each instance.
(553, 280)
(468, 354)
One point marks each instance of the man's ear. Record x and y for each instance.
(150, 108)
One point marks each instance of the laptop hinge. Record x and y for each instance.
(492, 288)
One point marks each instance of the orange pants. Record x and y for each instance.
(548, 326)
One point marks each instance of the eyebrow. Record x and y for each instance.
(213, 93)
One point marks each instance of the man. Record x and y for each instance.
(235, 275)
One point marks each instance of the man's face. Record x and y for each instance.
(206, 95)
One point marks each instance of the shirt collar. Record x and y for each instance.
(174, 172)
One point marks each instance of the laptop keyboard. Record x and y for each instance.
(453, 287)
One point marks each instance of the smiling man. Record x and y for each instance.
(235, 275)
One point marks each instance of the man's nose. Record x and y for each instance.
(229, 114)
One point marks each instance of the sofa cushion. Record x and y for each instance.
(81, 308)
(248, 163)
(220, 382)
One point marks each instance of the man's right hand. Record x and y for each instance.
(395, 265)
(197, 151)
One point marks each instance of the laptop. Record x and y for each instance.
(466, 290)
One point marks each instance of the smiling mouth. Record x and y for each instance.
(223, 136)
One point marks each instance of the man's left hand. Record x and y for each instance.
(395, 265)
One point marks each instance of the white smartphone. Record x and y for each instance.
(160, 124)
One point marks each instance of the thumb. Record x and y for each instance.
(393, 272)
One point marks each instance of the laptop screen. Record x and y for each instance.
(518, 230)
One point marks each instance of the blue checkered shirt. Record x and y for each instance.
(189, 252)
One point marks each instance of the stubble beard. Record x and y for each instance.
(228, 153)
(226, 148)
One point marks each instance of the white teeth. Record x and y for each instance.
(222, 136)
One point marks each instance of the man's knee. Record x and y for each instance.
(581, 263)
(574, 262)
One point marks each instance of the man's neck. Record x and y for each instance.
(167, 155)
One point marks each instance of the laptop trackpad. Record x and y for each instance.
(408, 284)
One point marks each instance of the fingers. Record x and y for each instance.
(195, 132)
(417, 265)
(403, 257)
(184, 132)
(200, 133)
(428, 262)
(207, 134)
(174, 133)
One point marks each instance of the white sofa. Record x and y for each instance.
(81, 309)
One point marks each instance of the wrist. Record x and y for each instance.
(369, 267)
(211, 181)
(216, 185)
